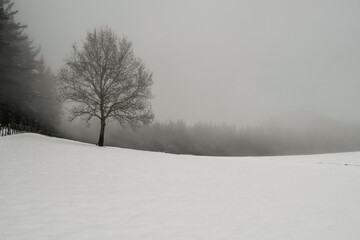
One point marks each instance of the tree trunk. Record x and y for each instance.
(102, 133)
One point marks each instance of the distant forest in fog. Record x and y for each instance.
(286, 137)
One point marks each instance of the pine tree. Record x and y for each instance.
(23, 75)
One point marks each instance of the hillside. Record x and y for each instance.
(59, 189)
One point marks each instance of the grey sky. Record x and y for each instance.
(240, 62)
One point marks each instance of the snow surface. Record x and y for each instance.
(59, 189)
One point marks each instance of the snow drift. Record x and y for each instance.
(58, 189)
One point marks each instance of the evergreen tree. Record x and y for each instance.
(26, 86)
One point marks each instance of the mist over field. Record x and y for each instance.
(287, 136)
(229, 78)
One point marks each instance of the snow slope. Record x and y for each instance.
(58, 189)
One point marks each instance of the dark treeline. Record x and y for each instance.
(177, 137)
(225, 140)
(286, 137)
(27, 87)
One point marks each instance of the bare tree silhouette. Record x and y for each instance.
(104, 79)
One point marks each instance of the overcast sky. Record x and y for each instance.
(239, 62)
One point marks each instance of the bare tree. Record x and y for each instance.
(104, 79)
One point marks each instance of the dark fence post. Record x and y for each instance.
(14, 128)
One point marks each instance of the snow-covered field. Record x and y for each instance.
(58, 189)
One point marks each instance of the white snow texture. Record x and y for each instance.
(59, 189)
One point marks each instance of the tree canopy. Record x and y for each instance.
(104, 79)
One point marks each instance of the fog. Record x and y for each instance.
(290, 69)
(238, 62)
(299, 135)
